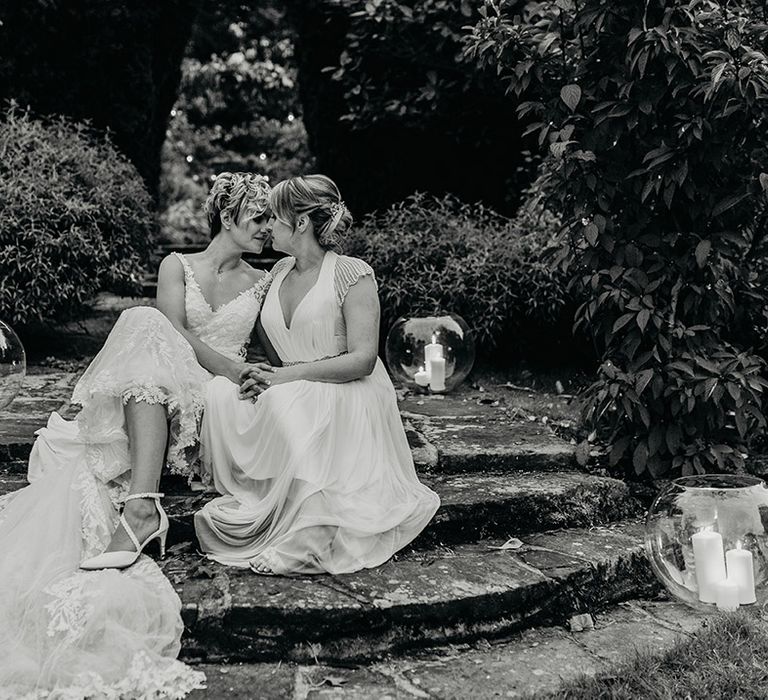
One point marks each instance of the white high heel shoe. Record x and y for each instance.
(122, 560)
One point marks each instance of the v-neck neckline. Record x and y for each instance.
(226, 303)
(289, 326)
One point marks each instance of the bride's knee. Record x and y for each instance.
(142, 315)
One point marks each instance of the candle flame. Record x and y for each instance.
(738, 545)
(434, 338)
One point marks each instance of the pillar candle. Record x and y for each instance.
(421, 377)
(727, 595)
(709, 561)
(741, 572)
(432, 351)
(437, 374)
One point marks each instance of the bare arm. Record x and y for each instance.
(361, 315)
(170, 301)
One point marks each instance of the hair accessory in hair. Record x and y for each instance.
(337, 211)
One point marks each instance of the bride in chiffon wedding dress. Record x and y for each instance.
(109, 633)
(316, 475)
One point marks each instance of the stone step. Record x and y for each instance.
(455, 433)
(524, 665)
(447, 433)
(417, 599)
(473, 506)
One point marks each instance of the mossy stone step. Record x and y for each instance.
(473, 506)
(524, 665)
(416, 599)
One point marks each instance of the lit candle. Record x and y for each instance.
(709, 562)
(727, 595)
(432, 351)
(421, 377)
(741, 572)
(437, 374)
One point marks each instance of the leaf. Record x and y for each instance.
(725, 204)
(618, 450)
(764, 181)
(333, 681)
(642, 319)
(717, 73)
(591, 233)
(702, 251)
(642, 380)
(674, 438)
(640, 458)
(582, 453)
(571, 95)
(655, 439)
(622, 321)
(511, 543)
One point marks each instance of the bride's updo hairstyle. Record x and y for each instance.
(237, 194)
(319, 198)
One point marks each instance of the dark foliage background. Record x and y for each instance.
(392, 107)
(114, 63)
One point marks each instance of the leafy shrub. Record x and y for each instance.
(75, 218)
(654, 115)
(439, 254)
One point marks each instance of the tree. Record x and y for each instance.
(391, 106)
(113, 63)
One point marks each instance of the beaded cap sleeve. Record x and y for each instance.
(348, 273)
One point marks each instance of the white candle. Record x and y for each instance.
(437, 374)
(421, 377)
(709, 562)
(432, 351)
(727, 595)
(741, 572)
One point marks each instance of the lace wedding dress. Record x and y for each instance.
(316, 477)
(67, 633)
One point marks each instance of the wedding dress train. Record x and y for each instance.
(68, 633)
(316, 477)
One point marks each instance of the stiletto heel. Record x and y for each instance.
(122, 560)
(162, 539)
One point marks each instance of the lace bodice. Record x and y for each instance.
(228, 328)
(317, 328)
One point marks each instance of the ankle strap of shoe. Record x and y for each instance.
(134, 496)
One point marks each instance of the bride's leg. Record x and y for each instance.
(147, 428)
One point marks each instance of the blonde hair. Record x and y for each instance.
(319, 198)
(236, 194)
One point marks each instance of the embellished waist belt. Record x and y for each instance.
(319, 359)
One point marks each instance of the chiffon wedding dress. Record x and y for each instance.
(316, 477)
(68, 633)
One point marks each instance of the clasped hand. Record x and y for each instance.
(260, 376)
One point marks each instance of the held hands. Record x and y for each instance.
(258, 377)
(254, 379)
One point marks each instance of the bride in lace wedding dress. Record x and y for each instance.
(78, 618)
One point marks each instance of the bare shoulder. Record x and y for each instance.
(171, 267)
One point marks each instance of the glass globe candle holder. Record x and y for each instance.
(13, 365)
(706, 540)
(434, 353)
